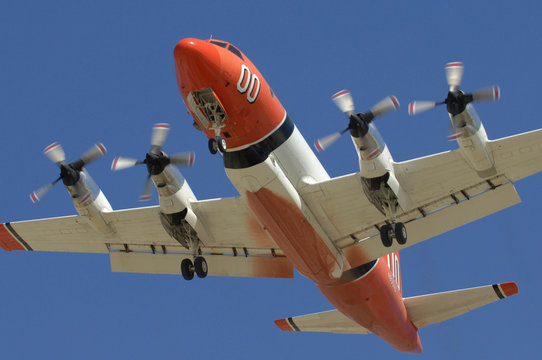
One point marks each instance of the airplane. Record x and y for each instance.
(343, 233)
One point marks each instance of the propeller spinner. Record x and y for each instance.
(69, 173)
(359, 123)
(156, 160)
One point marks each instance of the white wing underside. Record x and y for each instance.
(445, 192)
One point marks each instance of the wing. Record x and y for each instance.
(232, 242)
(444, 192)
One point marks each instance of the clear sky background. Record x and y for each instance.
(79, 72)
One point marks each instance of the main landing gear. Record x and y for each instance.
(199, 267)
(388, 232)
(218, 144)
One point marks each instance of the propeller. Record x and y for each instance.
(457, 100)
(69, 173)
(156, 160)
(359, 123)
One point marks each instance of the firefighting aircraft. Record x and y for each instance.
(343, 233)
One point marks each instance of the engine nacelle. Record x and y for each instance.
(176, 215)
(376, 168)
(373, 154)
(472, 139)
(90, 202)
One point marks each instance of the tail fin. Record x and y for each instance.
(433, 308)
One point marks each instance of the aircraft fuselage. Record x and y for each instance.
(268, 161)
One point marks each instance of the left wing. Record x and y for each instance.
(444, 192)
(233, 243)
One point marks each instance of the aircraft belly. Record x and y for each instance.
(270, 188)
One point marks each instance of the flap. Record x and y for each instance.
(219, 265)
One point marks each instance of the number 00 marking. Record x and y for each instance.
(250, 82)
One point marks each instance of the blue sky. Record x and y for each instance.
(80, 72)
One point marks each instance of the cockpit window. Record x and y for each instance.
(221, 44)
(235, 51)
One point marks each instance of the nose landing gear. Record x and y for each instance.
(218, 144)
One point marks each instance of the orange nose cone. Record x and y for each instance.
(197, 62)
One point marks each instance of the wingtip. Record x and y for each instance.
(509, 288)
(283, 325)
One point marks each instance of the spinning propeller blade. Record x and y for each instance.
(36, 196)
(416, 107)
(93, 153)
(156, 160)
(457, 101)
(343, 100)
(159, 135)
(121, 163)
(454, 74)
(345, 103)
(69, 173)
(490, 93)
(146, 193)
(183, 159)
(385, 105)
(326, 141)
(55, 153)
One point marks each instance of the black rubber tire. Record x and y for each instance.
(400, 233)
(213, 146)
(187, 269)
(385, 235)
(221, 142)
(200, 265)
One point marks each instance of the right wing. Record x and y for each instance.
(444, 193)
(233, 243)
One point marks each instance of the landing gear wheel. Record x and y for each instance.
(221, 142)
(400, 233)
(187, 269)
(385, 235)
(213, 146)
(200, 265)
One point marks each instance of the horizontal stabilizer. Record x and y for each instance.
(328, 321)
(433, 308)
